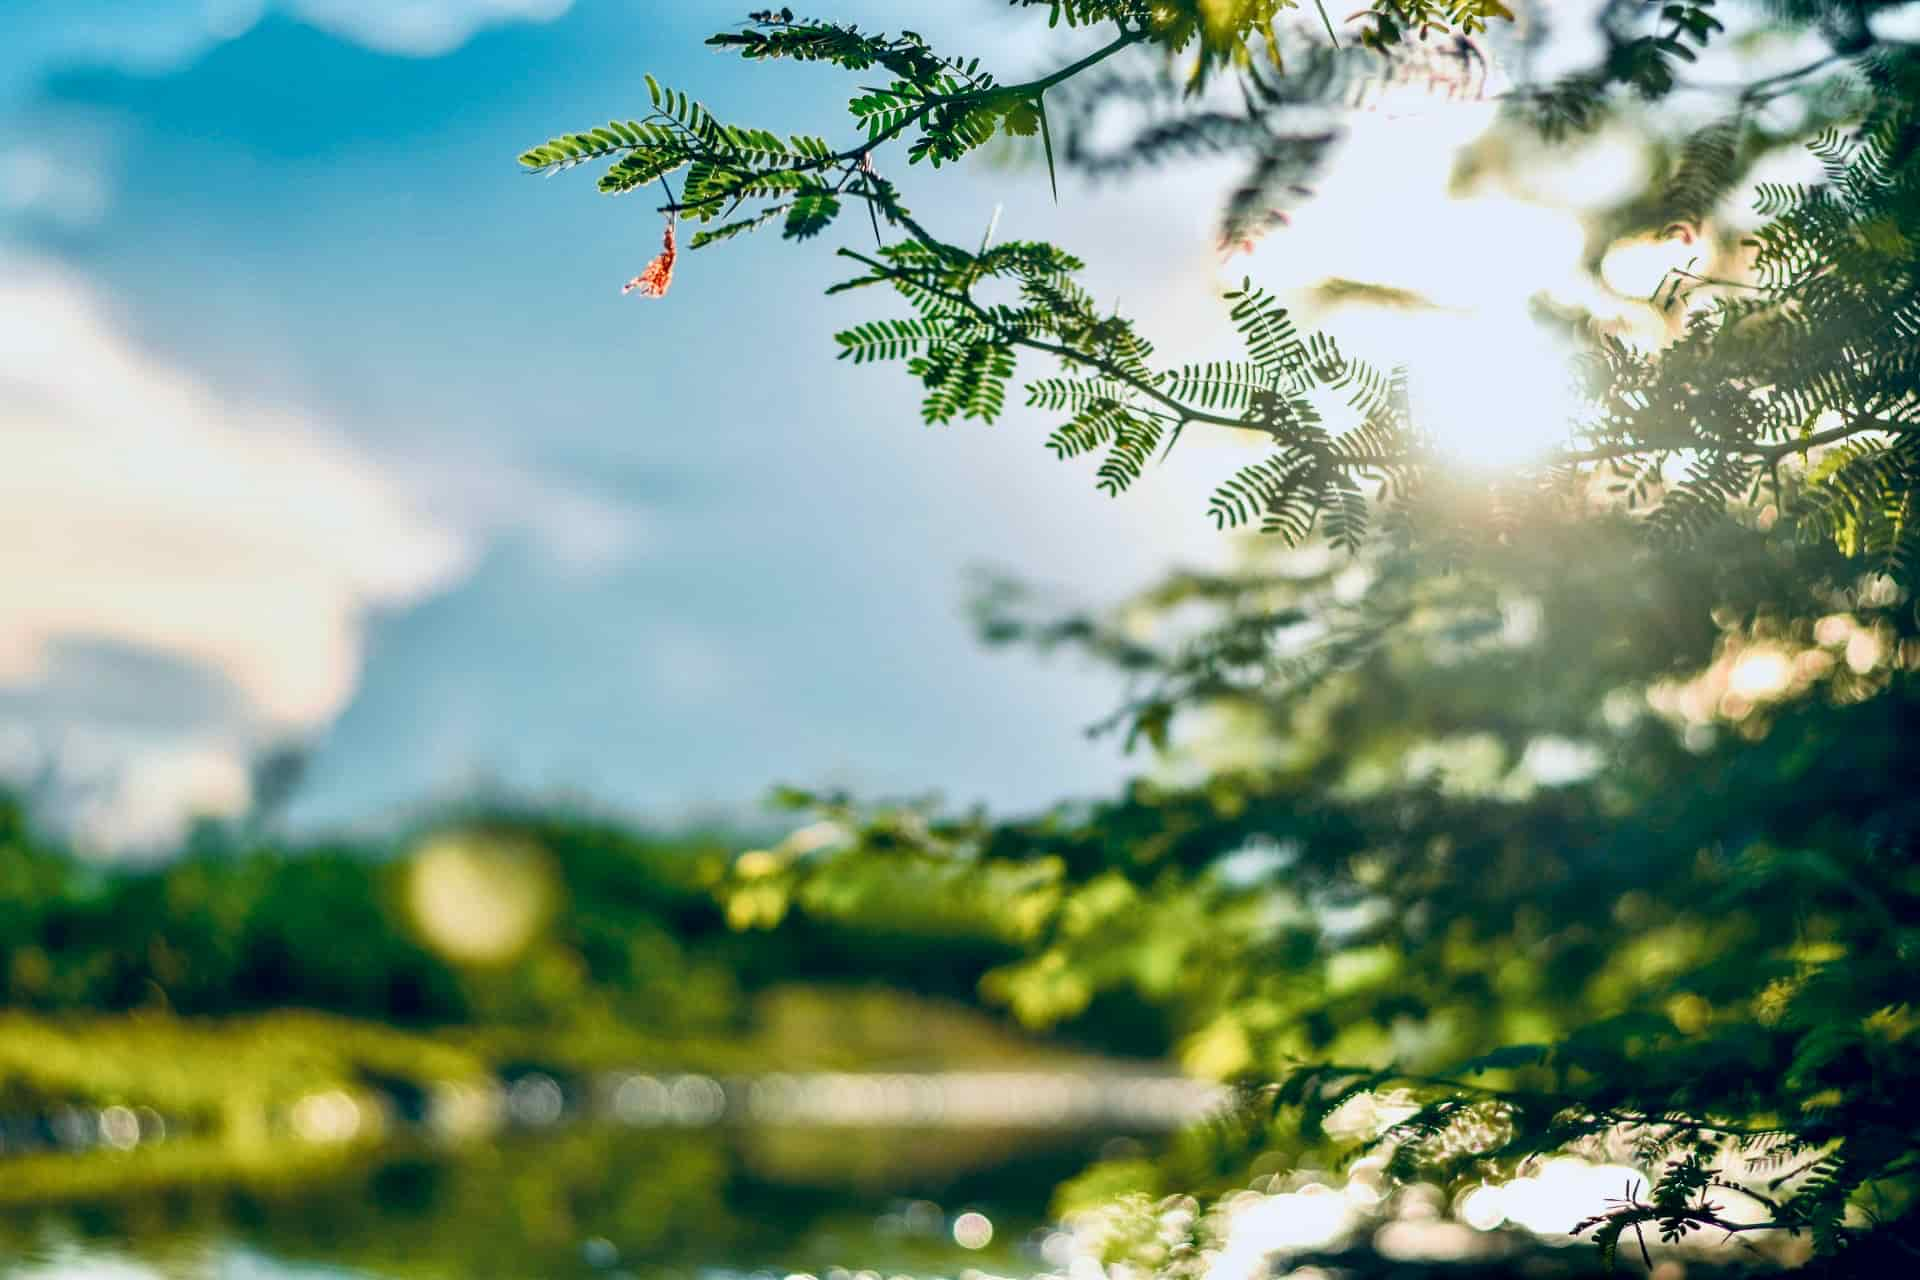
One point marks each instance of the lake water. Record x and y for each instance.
(921, 1190)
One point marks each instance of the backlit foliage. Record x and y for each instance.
(1462, 873)
(1117, 403)
(1833, 263)
(1694, 949)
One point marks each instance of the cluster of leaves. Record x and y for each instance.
(1821, 353)
(1390, 24)
(1284, 128)
(1646, 47)
(945, 107)
(1770, 1070)
(1236, 36)
(963, 349)
(1836, 267)
(1699, 956)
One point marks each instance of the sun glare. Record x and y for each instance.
(1490, 389)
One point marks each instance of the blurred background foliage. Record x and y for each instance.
(325, 1051)
(1397, 818)
(1450, 859)
(497, 920)
(1406, 817)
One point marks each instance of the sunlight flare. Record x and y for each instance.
(1490, 390)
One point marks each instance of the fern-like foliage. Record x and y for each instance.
(1804, 391)
(1733, 414)
(963, 349)
(1772, 1121)
(974, 311)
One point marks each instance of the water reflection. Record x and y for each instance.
(535, 1099)
(792, 1176)
(640, 1174)
(586, 1200)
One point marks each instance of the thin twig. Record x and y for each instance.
(1321, 6)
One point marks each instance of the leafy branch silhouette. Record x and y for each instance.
(1703, 444)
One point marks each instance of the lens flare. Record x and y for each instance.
(480, 899)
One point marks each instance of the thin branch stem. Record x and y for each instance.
(1756, 91)
(1321, 6)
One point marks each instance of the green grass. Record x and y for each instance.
(209, 1070)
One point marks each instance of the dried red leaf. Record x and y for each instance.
(652, 282)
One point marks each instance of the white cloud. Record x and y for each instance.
(186, 578)
(157, 35)
(420, 27)
(141, 510)
(155, 790)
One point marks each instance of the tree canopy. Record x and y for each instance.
(1562, 810)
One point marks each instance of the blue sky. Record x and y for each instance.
(328, 423)
(323, 422)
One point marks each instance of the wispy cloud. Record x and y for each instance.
(420, 27)
(486, 497)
